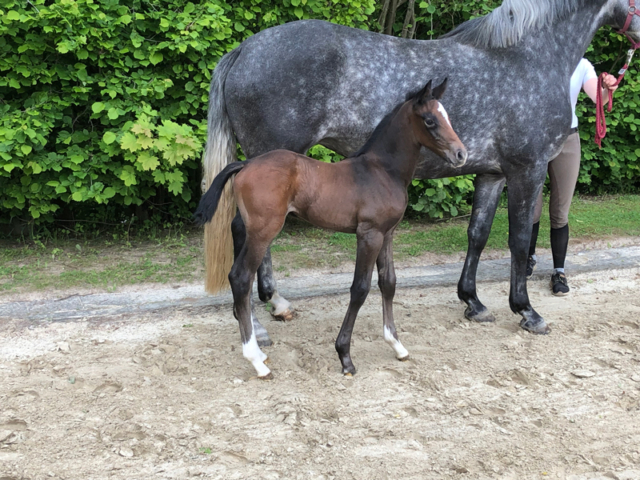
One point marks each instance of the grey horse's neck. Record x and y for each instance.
(506, 25)
(569, 44)
(549, 45)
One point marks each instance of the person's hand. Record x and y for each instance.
(609, 82)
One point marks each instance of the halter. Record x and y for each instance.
(632, 11)
(601, 122)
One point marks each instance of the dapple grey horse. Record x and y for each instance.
(311, 82)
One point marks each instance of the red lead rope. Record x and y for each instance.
(601, 121)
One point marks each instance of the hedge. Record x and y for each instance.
(103, 104)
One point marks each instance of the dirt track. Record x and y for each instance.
(168, 395)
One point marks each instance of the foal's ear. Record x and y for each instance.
(423, 94)
(439, 90)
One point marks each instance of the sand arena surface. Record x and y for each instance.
(168, 394)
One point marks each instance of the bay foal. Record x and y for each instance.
(365, 194)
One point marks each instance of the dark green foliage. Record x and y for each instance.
(103, 103)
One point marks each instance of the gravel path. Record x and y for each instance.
(109, 304)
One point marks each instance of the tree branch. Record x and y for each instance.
(392, 17)
(383, 15)
(409, 19)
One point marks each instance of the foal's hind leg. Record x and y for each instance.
(369, 243)
(266, 283)
(387, 284)
(239, 234)
(241, 280)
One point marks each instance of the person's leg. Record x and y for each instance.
(563, 175)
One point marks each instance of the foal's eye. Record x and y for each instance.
(429, 123)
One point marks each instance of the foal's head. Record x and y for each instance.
(432, 127)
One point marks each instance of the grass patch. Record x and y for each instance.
(590, 219)
(108, 264)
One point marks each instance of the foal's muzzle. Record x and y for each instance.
(457, 157)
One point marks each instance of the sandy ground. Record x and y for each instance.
(168, 395)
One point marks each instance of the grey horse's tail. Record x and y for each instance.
(220, 150)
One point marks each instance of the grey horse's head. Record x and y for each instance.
(624, 14)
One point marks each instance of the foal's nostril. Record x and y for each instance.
(461, 155)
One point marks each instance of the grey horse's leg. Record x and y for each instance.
(522, 199)
(485, 201)
(280, 307)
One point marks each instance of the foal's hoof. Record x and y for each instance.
(264, 341)
(480, 316)
(269, 376)
(404, 359)
(535, 325)
(285, 316)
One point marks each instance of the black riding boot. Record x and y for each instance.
(559, 244)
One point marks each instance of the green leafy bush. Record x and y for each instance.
(103, 104)
(82, 79)
(440, 196)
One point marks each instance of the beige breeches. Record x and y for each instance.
(563, 175)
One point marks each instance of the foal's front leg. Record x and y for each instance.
(387, 284)
(369, 243)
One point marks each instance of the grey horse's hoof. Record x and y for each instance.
(281, 308)
(285, 316)
(535, 324)
(481, 315)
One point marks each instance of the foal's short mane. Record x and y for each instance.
(506, 25)
(384, 123)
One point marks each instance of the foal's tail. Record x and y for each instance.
(220, 150)
(210, 200)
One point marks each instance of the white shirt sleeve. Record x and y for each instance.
(589, 71)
